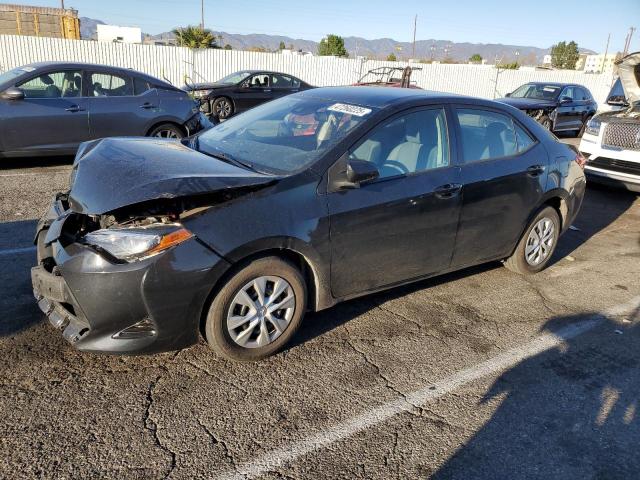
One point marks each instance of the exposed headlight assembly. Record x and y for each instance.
(201, 93)
(131, 244)
(593, 127)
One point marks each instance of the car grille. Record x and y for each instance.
(622, 135)
(614, 165)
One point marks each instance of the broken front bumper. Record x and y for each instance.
(150, 305)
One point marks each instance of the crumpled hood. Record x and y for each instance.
(629, 72)
(526, 103)
(204, 86)
(113, 173)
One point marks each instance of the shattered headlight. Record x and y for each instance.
(593, 127)
(137, 243)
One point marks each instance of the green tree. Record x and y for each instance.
(332, 45)
(508, 66)
(228, 47)
(392, 57)
(565, 55)
(282, 46)
(195, 37)
(476, 58)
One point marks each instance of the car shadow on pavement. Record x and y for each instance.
(17, 256)
(318, 324)
(601, 207)
(32, 162)
(570, 412)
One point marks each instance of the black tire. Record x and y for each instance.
(167, 130)
(218, 335)
(518, 262)
(546, 122)
(222, 107)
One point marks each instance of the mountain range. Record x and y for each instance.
(379, 48)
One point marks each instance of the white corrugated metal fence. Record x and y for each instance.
(177, 63)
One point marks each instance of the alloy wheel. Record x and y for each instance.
(261, 311)
(540, 242)
(223, 108)
(166, 134)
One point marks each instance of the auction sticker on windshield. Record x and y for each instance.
(350, 109)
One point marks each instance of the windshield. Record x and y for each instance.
(234, 78)
(537, 91)
(16, 72)
(284, 136)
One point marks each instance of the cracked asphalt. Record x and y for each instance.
(443, 379)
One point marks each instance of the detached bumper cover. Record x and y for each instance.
(146, 306)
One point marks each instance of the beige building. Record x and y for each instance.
(39, 21)
(600, 63)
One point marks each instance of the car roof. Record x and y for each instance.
(380, 97)
(554, 84)
(98, 66)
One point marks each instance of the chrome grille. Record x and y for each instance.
(622, 135)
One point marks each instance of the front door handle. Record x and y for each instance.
(74, 108)
(448, 190)
(535, 170)
(147, 106)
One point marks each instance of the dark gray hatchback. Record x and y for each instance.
(50, 108)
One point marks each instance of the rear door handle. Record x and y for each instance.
(74, 108)
(535, 170)
(448, 190)
(147, 105)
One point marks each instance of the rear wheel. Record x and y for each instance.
(537, 244)
(222, 107)
(257, 311)
(167, 130)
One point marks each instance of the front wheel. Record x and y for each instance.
(538, 243)
(167, 130)
(257, 311)
(222, 108)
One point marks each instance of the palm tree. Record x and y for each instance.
(195, 37)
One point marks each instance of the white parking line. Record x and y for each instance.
(283, 455)
(16, 251)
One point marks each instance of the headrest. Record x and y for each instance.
(46, 79)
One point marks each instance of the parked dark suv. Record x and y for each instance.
(50, 108)
(242, 229)
(558, 107)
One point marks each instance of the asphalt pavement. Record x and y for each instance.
(481, 374)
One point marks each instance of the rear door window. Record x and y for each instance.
(140, 86)
(281, 81)
(486, 134)
(63, 84)
(109, 85)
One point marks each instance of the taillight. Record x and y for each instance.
(581, 160)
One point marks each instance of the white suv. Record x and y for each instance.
(611, 140)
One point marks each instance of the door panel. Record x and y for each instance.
(52, 116)
(258, 91)
(391, 231)
(403, 225)
(114, 110)
(499, 194)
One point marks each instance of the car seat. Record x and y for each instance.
(51, 91)
(411, 155)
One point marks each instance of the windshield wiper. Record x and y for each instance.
(225, 157)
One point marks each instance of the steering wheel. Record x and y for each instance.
(395, 164)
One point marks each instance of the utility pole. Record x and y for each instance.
(202, 14)
(415, 24)
(62, 4)
(606, 50)
(627, 41)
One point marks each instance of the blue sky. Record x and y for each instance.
(539, 23)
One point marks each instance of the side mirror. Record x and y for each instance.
(566, 99)
(13, 93)
(508, 95)
(361, 171)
